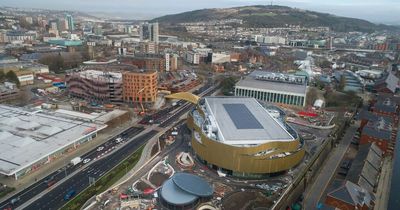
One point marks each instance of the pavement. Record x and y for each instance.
(314, 193)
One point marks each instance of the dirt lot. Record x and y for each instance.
(246, 200)
(158, 178)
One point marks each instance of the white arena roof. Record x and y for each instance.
(27, 137)
(244, 121)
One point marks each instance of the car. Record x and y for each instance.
(87, 160)
(100, 149)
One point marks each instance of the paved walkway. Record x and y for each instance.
(47, 169)
(383, 189)
(328, 170)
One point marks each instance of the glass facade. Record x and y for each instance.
(271, 97)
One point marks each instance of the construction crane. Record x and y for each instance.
(140, 93)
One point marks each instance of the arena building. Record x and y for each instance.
(184, 191)
(240, 137)
(32, 138)
(273, 88)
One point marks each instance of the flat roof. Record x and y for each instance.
(250, 81)
(242, 120)
(27, 137)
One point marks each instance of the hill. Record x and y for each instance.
(275, 16)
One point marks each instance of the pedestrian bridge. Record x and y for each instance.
(189, 97)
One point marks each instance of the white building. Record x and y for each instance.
(274, 88)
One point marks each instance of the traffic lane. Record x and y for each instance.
(81, 179)
(61, 173)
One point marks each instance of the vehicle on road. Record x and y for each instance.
(87, 160)
(69, 194)
(100, 149)
(76, 161)
(14, 200)
(118, 140)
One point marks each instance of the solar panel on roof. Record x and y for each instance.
(242, 117)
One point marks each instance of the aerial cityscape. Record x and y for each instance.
(238, 106)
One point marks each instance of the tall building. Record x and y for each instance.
(70, 21)
(139, 84)
(149, 31)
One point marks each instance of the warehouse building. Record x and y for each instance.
(30, 139)
(274, 88)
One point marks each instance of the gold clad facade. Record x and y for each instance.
(270, 157)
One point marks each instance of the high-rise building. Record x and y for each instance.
(70, 21)
(62, 25)
(149, 31)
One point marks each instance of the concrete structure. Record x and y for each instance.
(192, 57)
(139, 86)
(238, 136)
(25, 77)
(184, 191)
(8, 92)
(218, 58)
(36, 68)
(147, 47)
(30, 139)
(273, 87)
(96, 86)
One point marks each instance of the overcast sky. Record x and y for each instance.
(382, 11)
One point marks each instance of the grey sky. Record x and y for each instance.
(386, 11)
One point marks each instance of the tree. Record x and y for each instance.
(228, 85)
(342, 83)
(2, 76)
(55, 62)
(12, 77)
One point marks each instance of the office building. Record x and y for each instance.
(150, 32)
(139, 86)
(273, 87)
(70, 21)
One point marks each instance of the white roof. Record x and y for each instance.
(28, 137)
(244, 121)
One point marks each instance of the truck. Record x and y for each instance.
(76, 161)
(69, 194)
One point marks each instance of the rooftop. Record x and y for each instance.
(276, 82)
(243, 121)
(101, 75)
(28, 136)
(185, 188)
